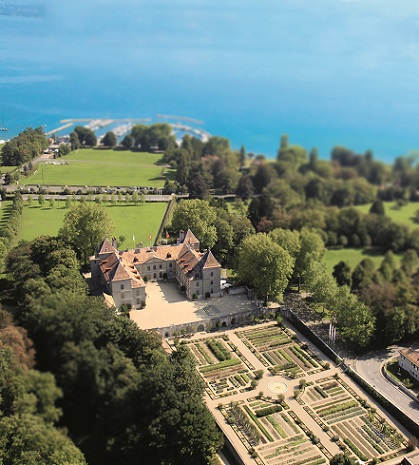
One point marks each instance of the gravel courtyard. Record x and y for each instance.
(167, 306)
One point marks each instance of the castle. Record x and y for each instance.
(123, 273)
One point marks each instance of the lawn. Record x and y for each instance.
(353, 256)
(129, 220)
(403, 215)
(90, 167)
(7, 169)
(6, 205)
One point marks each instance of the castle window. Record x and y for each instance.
(161, 266)
(197, 284)
(212, 291)
(212, 282)
(122, 286)
(148, 268)
(170, 265)
(154, 267)
(212, 274)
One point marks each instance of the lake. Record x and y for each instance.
(341, 72)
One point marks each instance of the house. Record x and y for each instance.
(409, 361)
(124, 273)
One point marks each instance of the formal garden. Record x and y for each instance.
(312, 418)
(281, 352)
(272, 433)
(224, 369)
(350, 420)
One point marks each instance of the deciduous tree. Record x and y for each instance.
(264, 265)
(85, 226)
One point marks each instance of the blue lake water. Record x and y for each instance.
(330, 72)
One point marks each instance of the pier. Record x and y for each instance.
(61, 128)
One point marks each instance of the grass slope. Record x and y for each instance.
(403, 215)
(353, 256)
(6, 205)
(90, 167)
(7, 169)
(140, 220)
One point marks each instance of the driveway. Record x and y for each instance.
(369, 367)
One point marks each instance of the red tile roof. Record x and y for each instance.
(411, 355)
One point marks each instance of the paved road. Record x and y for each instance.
(369, 367)
(147, 198)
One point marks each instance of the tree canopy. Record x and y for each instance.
(24, 147)
(109, 139)
(199, 217)
(264, 265)
(85, 226)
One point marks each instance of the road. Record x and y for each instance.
(369, 367)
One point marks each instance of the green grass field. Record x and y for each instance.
(403, 215)
(354, 256)
(6, 205)
(7, 169)
(140, 220)
(90, 167)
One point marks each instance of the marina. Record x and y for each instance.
(179, 127)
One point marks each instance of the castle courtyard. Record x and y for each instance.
(166, 307)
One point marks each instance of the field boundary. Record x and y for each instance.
(167, 218)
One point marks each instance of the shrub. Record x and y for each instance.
(258, 374)
(268, 411)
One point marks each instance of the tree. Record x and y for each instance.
(312, 250)
(321, 284)
(288, 240)
(355, 320)
(199, 217)
(342, 274)
(41, 200)
(74, 141)
(86, 136)
(245, 187)
(64, 150)
(197, 187)
(127, 142)
(85, 226)
(410, 261)
(264, 265)
(25, 146)
(362, 274)
(27, 403)
(110, 139)
(27, 440)
(378, 207)
(342, 459)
